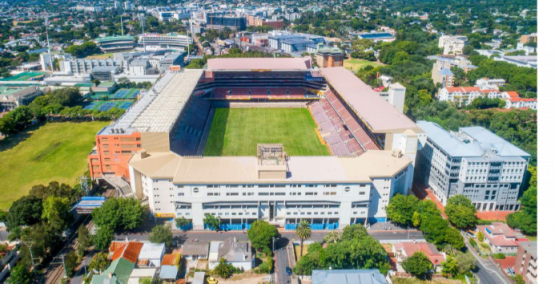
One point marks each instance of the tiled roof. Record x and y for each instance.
(127, 250)
(171, 259)
(429, 249)
(464, 90)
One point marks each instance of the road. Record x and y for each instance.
(289, 235)
(486, 269)
(283, 258)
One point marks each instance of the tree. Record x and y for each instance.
(84, 240)
(99, 262)
(465, 261)
(332, 237)
(71, 262)
(527, 218)
(223, 269)
(418, 265)
(401, 208)
(20, 275)
(356, 231)
(103, 238)
(303, 232)
(56, 212)
(212, 222)
(460, 211)
(519, 279)
(119, 214)
(182, 222)
(261, 234)
(161, 235)
(450, 267)
(25, 211)
(416, 219)
(480, 236)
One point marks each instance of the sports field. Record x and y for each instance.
(51, 152)
(355, 64)
(237, 131)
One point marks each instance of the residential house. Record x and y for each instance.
(195, 250)
(513, 100)
(238, 254)
(500, 237)
(405, 250)
(170, 267)
(151, 255)
(117, 273)
(141, 273)
(125, 249)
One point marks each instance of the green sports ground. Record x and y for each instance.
(237, 131)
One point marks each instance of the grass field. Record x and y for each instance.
(237, 131)
(355, 64)
(100, 56)
(51, 152)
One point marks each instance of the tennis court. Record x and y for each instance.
(23, 76)
(104, 106)
(121, 94)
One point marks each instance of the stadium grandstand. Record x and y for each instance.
(280, 105)
(169, 41)
(115, 43)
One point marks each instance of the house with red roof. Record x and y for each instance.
(463, 96)
(125, 249)
(405, 250)
(513, 100)
(500, 237)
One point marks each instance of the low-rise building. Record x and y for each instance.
(12, 97)
(195, 250)
(527, 261)
(329, 56)
(473, 162)
(348, 276)
(151, 255)
(405, 250)
(238, 254)
(500, 237)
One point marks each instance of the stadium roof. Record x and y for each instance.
(114, 38)
(275, 64)
(380, 116)
(162, 112)
(222, 170)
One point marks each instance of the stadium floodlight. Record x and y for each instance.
(48, 41)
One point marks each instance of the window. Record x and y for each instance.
(232, 194)
(195, 190)
(347, 189)
(361, 193)
(181, 194)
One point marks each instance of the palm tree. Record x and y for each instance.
(303, 232)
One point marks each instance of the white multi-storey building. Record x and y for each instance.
(452, 44)
(475, 163)
(330, 192)
(463, 96)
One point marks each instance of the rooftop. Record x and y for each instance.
(470, 142)
(227, 64)
(348, 276)
(226, 169)
(161, 114)
(195, 248)
(530, 247)
(380, 116)
(152, 251)
(114, 38)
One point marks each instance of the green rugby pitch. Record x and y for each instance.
(237, 131)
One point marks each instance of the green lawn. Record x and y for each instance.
(237, 131)
(51, 152)
(355, 64)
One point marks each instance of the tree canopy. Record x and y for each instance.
(419, 265)
(460, 211)
(261, 233)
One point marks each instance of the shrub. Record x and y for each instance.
(485, 246)
(499, 255)
(472, 242)
(480, 236)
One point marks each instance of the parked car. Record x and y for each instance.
(288, 270)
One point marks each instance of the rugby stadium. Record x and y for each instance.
(261, 138)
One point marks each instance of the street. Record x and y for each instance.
(486, 269)
(283, 258)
